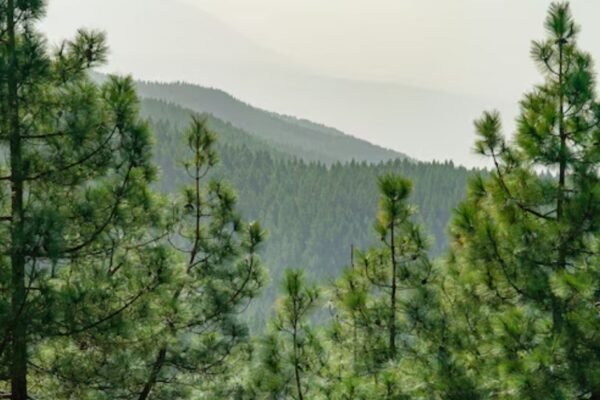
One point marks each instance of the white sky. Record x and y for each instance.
(326, 59)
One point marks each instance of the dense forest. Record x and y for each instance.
(166, 241)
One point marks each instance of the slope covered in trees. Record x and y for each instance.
(300, 138)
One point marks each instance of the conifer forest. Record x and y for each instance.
(162, 240)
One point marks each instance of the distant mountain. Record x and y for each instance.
(172, 118)
(297, 137)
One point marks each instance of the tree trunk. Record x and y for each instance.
(18, 360)
(562, 258)
(392, 322)
(160, 359)
(562, 168)
(296, 356)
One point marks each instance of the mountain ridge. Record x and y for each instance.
(294, 135)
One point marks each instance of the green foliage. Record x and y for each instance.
(386, 322)
(523, 274)
(389, 337)
(108, 290)
(197, 334)
(290, 355)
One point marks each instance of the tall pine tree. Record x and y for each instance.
(200, 330)
(290, 354)
(75, 205)
(386, 316)
(524, 267)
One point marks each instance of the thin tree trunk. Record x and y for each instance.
(562, 258)
(298, 380)
(392, 329)
(563, 140)
(18, 361)
(354, 322)
(161, 356)
(296, 356)
(160, 360)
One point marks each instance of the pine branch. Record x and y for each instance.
(76, 163)
(505, 188)
(43, 136)
(107, 317)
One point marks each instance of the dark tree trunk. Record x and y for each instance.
(160, 360)
(392, 322)
(18, 351)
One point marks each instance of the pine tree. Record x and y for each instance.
(200, 333)
(76, 208)
(384, 304)
(291, 354)
(524, 262)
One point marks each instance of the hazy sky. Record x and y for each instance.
(434, 43)
(346, 63)
(478, 46)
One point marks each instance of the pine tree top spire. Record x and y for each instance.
(560, 24)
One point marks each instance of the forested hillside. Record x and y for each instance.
(313, 212)
(300, 138)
